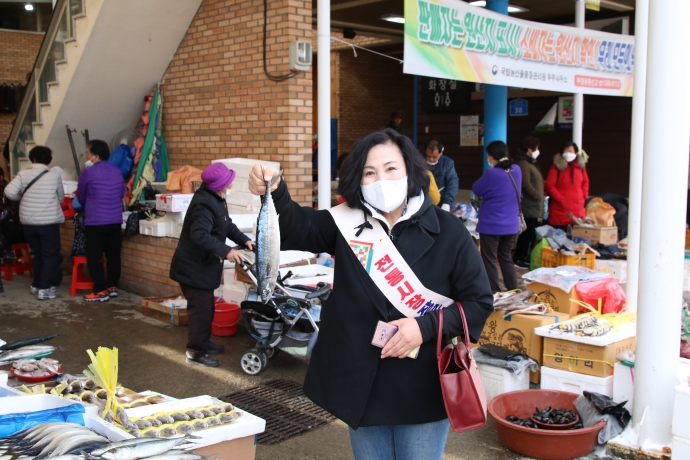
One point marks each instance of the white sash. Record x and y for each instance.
(387, 268)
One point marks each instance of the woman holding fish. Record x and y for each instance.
(500, 187)
(392, 403)
(198, 261)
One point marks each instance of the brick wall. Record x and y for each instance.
(18, 51)
(145, 263)
(219, 104)
(370, 87)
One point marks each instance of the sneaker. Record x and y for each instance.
(99, 297)
(214, 348)
(46, 294)
(200, 360)
(34, 290)
(112, 291)
(521, 264)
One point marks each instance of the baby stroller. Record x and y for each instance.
(288, 322)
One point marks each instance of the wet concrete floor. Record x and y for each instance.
(152, 358)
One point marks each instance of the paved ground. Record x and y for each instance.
(151, 358)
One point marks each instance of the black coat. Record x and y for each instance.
(346, 374)
(199, 257)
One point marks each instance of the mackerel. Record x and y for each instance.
(268, 243)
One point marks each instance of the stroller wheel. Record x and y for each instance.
(268, 351)
(253, 361)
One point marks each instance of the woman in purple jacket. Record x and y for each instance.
(500, 188)
(100, 191)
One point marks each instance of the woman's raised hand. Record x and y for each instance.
(257, 184)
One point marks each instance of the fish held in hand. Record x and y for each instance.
(268, 243)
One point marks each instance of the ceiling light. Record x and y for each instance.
(511, 8)
(396, 18)
(29, 7)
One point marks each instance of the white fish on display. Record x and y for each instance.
(268, 243)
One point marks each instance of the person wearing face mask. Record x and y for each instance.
(500, 190)
(532, 197)
(390, 402)
(443, 169)
(568, 186)
(100, 192)
(197, 264)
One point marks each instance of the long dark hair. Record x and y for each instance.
(498, 150)
(349, 186)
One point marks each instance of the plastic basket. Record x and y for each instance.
(551, 258)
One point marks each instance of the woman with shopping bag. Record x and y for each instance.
(400, 261)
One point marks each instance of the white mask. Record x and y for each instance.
(432, 164)
(88, 163)
(569, 156)
(226, 194)
(385, 195)
(535, 154)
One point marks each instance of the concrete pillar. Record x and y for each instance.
(495, 99)
(578, 98)
(323, 26)
(636, 152)
(664, 195)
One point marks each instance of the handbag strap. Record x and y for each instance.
(516, 191)
(34, 181)
(466, 334)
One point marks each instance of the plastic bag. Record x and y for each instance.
(516, 362)
(12, 423)
(181, 179)
(557, 238)
(123, 158)
(563, 277)
(606, 405)
(535, 257)
(608, 290)
(601, 212)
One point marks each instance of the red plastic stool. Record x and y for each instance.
(79, 279)
(22, 265)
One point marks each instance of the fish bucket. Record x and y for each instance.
(226, 319)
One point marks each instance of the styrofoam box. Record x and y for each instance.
(70, 186)
(618, 269)
(32, 403)
(4, 375)
(573, 382)
(681, 410)
(680, 448)
(235, 294)
(623, 378)
(160, 187)
(245, 222)
(308, 274)
(173, 202)
(6, 391)
(625, 331)
(153, 227)
(173, 224)
(498, 380)
(243, 199)
(246, 425)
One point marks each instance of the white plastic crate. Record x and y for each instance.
(680, 448)
(498, 380)
(153, 227)
(681, 410)
(573, 382)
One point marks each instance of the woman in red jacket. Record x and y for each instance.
(568, 186)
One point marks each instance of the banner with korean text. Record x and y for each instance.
(453, 40)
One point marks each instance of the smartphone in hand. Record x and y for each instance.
(384, 332)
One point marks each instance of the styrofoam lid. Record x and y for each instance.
(625, 332)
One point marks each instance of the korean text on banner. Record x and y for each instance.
(457, 41)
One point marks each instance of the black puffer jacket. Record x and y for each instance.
(532, 186)
(198, 259)
(346, 374)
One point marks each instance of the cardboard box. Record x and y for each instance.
(516, 333)
(173, 202)
(583, 358)
(617, 269)
(555, 298)
(236, 293)
(236, 449)
(603, 235)
(176, 316)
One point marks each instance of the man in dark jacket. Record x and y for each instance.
(443, 169)
(100, 191)
(198, 261)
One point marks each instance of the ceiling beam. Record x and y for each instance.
(382, 31)
(352, 4)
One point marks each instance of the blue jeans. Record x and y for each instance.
(424, 441)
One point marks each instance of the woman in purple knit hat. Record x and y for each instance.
(501, 190)
(198, 261)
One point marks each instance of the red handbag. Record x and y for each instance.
(463, 390)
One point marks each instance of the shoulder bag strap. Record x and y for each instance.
(34, 181)
(465, 332)
(516, 191)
